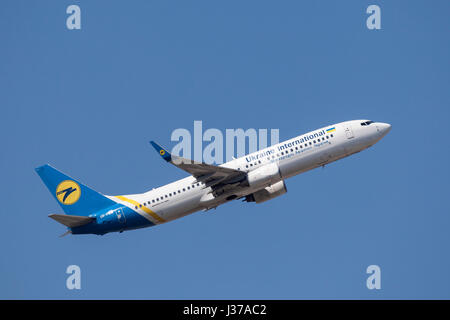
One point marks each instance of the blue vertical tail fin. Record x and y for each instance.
(74, 197)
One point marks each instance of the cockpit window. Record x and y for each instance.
(366, 123)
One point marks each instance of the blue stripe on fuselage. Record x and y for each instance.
(108, 220)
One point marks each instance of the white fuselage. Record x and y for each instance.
(292, 157)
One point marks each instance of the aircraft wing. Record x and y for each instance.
(212, 176)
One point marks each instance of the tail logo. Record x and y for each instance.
(162, 152)
(68, 192)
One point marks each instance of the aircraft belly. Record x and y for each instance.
(294, 166)
(180, 208)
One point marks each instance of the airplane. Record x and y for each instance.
(256, 177)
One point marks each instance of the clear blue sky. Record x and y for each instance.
(88, 102)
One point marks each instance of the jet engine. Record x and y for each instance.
(264, 176)
(270, 192)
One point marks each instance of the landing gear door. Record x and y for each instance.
(349, 132)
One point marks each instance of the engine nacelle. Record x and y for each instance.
(264, 176)
(270, 192)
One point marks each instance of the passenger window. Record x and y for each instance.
(331, 135)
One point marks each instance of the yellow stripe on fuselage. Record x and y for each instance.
(144, 208)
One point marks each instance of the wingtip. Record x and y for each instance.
(37, 169)
(162, 152)
(155, 145)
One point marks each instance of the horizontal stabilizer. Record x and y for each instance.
(71, 221)
(66, 233)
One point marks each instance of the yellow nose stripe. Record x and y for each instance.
(144, 208)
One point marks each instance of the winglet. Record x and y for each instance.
(162, 152)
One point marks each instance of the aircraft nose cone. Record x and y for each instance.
(383, 128)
